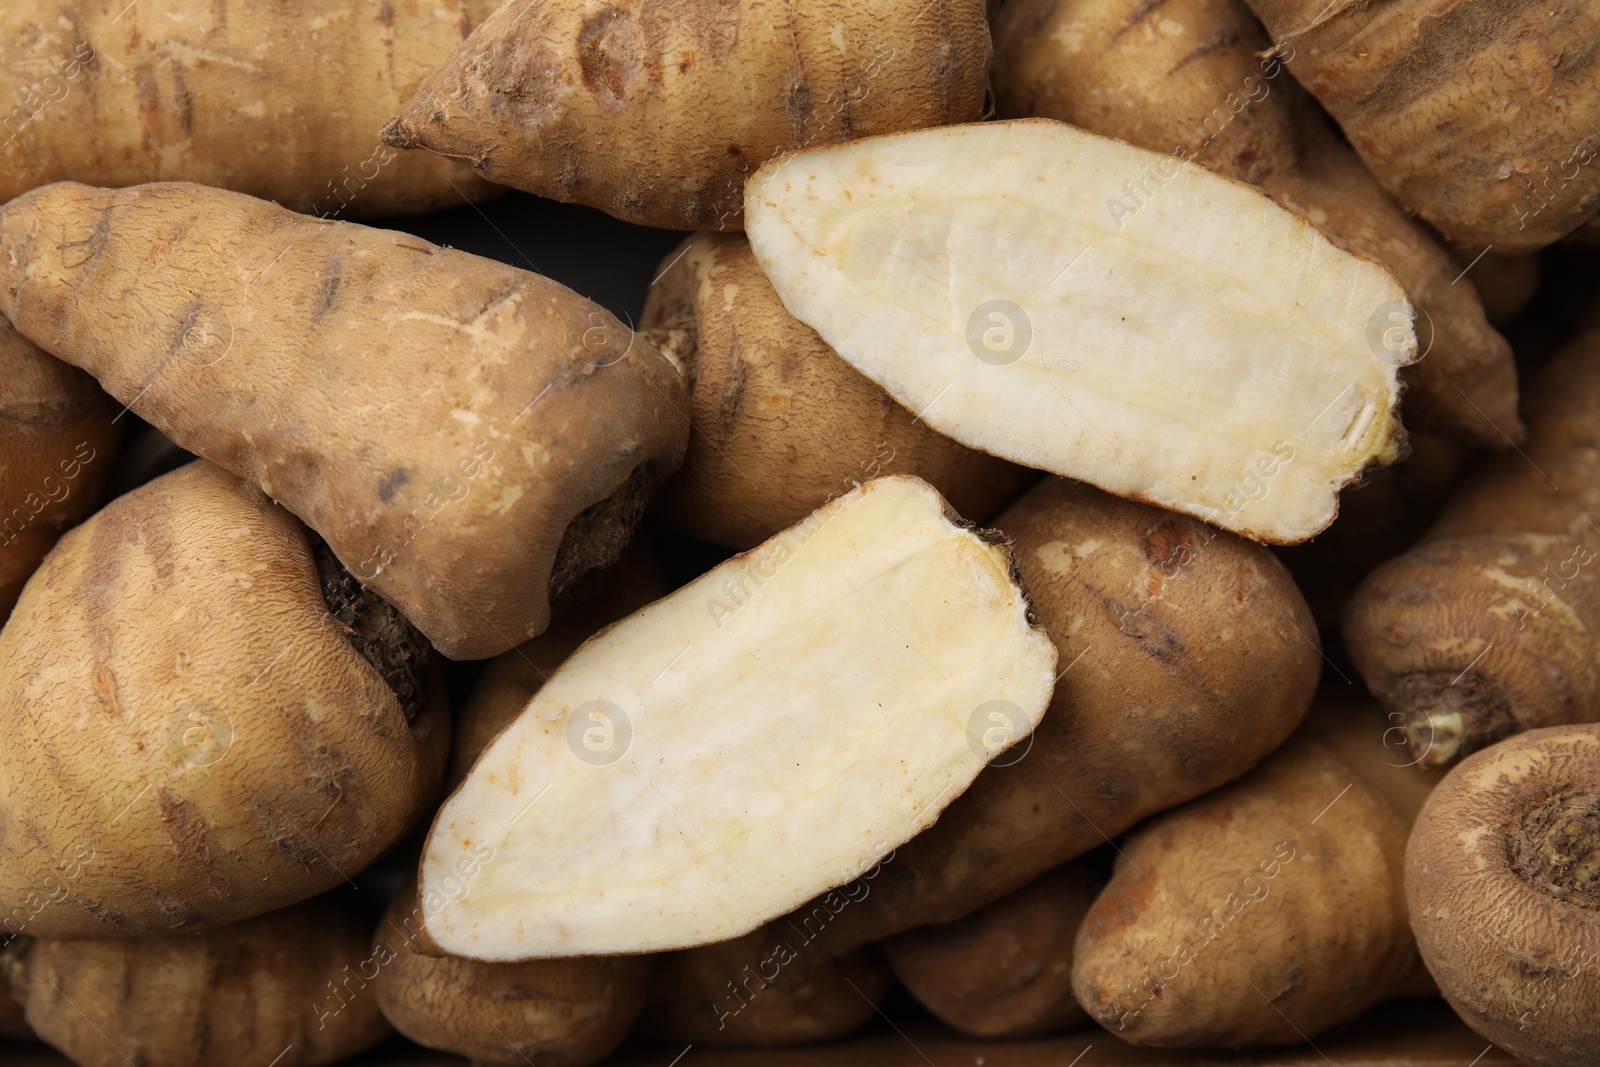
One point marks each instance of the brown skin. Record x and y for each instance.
(658, 112)
(283, 102)
(1503, 879)
(1187, 656)
(1005, 970)
(1479, 117)
(1486, 628)
(1270, 910)
(512, 678)
(1187, 77)
(207, 719)
(243, 993)
(555, 1013)
(522, 428)
(57, 442)
(717, 996)
(1377, 521)
(782, 424)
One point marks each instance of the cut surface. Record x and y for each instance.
(1085, 307)
(767, 732)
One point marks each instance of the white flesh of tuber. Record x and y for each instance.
(762, 735)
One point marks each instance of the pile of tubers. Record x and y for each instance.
(1062, 542)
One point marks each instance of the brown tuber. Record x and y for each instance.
(1503, 880)
(284, 985)
(470, 439)
(1487, 627)
(781, 423)
(205, 718)
(56, 440)
(1005, 970)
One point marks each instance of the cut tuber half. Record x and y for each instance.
(1073, 303)
(769, 731)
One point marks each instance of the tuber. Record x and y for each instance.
(764, 734)
(975, 273)
(57, 436)
(282, 101)
(1503, 880)
(781, 423)
(471, 439)
(1270, 910)
(1194, 78)
(1004, 971)
(593, 104)
(1487, 626)
(206, 719)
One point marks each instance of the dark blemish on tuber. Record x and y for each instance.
(376, 629)
(395, 480)
(603, 52)
(595, 539)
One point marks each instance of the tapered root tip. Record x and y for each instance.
(399, 134)
(1434, 737)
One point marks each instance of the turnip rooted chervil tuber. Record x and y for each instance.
(765, 733)
(1089, 308)
(469, 438)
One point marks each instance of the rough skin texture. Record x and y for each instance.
(283, 101)
(1187, 77)
(512, 678)
(554, 1013)
(240, 994)
(1271, 910)
(1487, 626)
(56, 445)
(714, 996)
(1185, 656)
(1480, 117)
(192, 739)
(656, 111)
(781, 423)
(1005, 970)
(1503, 879)
(441, 420)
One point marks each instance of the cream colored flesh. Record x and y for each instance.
(1085, 307)
(766, 733)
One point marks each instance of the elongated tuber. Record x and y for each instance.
(656, 111)
(469, 438)
(1186, 655)
(974, 273)
(1270, 910)
(282, 101)
(765, 733)
(1481, 118)
(282, 988)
